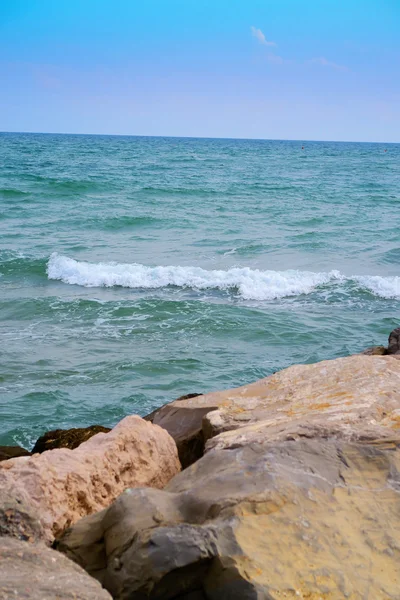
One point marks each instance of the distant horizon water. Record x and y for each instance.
(135, 269)
(190, 137)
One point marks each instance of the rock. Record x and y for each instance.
(394, 342)
(67, 438)
(35, 572)
(357, 397)
(307, 518)
(7, 452)
(18, 518)
(393, 346)
(350, 394)
(184, 426)
(63, 485)
(375, 351)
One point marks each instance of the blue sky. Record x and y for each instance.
(281, 69)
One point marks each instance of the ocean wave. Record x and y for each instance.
(385, 287)
(251, 284)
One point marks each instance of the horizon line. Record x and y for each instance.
(191, 137)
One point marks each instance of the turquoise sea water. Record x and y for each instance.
(134, 270)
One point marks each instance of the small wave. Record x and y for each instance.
(251, 284)
(12, 193)
(16, 263)
(124, 222)
(391, 256)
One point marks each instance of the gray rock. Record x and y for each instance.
(35, 572)
(394, 342)
(307, 518)
(18, 518)
(183, 421)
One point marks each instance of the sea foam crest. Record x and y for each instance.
(251, 284)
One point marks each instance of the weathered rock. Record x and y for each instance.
(375, 351)
(353, 394)
(356, 398)
(63, 485)
(18, 518)
(184, 426)
(393, 346)
(394, 342)
(35, 572)
(67, 438)
(7, 452)
(307, 519)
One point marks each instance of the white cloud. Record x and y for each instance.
(275, 59)
(257, 33)
(327, 63)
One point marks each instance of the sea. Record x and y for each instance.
(134, 270)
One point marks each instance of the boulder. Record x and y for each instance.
(306, 518)
(183, 425)
(66, 438)
(35, 572)
(375, 351)
(352, 394)
(394, 342)
(7, 452)
(357, 397)
(18, 518)
(62, 485)
(393, 346)
(297, 496)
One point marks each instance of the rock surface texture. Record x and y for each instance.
(297, 496)
(35, 572)
(358, 395)
(61, 486)
(67, 438)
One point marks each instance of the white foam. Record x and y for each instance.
(385, 287)
(252, 284)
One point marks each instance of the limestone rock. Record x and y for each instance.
(66, 438)
(356, 395)
(7, 452)
(63, 485)
(356, 398)
(35, 572)
(306, 518)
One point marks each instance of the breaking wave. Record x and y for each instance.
(251, 284)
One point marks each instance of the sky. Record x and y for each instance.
(272, 69)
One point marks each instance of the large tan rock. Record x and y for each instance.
(297, 496)
(355, 396)
(35, 572)
(63, 485)
(302, 519)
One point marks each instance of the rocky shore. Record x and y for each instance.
(288, 487)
